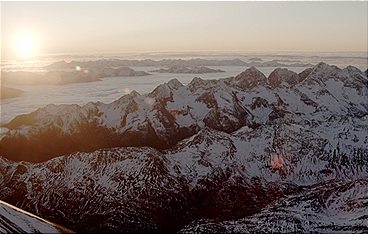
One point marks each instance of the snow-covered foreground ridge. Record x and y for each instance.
(15, 220)
(143, 190)
(317, 97)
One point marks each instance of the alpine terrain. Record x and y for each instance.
(252, 154)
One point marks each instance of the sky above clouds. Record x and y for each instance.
(114, 27)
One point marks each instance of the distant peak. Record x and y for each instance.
(196, 80)
(321, 64)
(134, 93)
(322, 71)
(280, 71)
(164, 90)
(237, 60)
(253, 69)
(250, 78)
(174, 83)
(280, 75)
(353, 69)
(251, 72)
(324, 66)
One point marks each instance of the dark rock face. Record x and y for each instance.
(259, 102)
(294, 213)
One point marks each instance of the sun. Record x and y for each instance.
(26, 46)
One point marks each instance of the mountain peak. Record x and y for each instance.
(196, 82)
(352, 68)
(322, 66)
(164, 90)
(134, 93)
(253, 69)
(250, 78)
(280, 75)
(321, 72)
(352, 71)
(174, 83)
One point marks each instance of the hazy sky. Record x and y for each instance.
(98, 27)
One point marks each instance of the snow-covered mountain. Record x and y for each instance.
(15, 220)
(173, 112)
(228, 149)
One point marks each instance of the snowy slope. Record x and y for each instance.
(14, 220)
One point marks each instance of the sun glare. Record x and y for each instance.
(26, 46)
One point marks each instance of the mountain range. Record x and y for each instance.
(196, 62)
(188, 70)
(60, 77)
(7, 92)
(249, 153)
